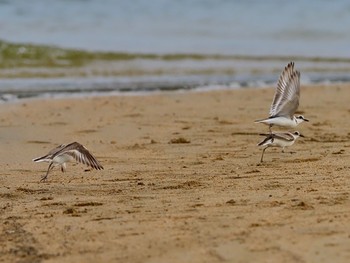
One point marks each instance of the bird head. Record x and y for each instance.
(297, 134)
(300, 119)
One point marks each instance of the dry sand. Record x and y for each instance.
(208, 200)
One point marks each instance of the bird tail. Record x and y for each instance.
(262, 121)
(41, 159)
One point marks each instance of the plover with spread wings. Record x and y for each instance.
(286, 100)
(64, 153)
(282, 140)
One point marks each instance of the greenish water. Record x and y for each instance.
(29, 70)
(14, 55)
(27, 55)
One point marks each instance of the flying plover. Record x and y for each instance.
(286, 100)
(284, 139)
(62, 154)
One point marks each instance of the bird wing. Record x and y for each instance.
(51, 153)
(285, 75)
(57, 149)
(286, 136)
(81, 154)
(283, 136)
(286, 99)
(269, 137)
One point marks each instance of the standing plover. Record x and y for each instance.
(286, 100)
(284, 139)
(62, 154)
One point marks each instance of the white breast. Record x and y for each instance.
(281, 121)
(63, 158)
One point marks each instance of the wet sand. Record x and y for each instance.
(182, 180)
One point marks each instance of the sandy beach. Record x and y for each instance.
(182, 181)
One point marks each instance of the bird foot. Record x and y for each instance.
(43, 179)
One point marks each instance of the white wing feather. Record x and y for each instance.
(286, 99)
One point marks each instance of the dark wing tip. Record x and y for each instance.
(289, 65)
(264, 134)
(92, 161)
(39, 158)
(264, 141)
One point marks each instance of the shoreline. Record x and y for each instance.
(47, 71)
(18, 90)
(208, 199)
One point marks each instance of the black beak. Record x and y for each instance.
(301, 135)
(305, 119)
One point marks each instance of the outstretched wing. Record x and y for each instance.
(81, 154)
(286, 99)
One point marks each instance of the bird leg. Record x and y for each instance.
(63, 167)
(47, 173)
(262, 155)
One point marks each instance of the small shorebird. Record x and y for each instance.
(284, 139)
(62, 154)
(286, 100)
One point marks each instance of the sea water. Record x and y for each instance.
(313, 28)
(269, 27)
